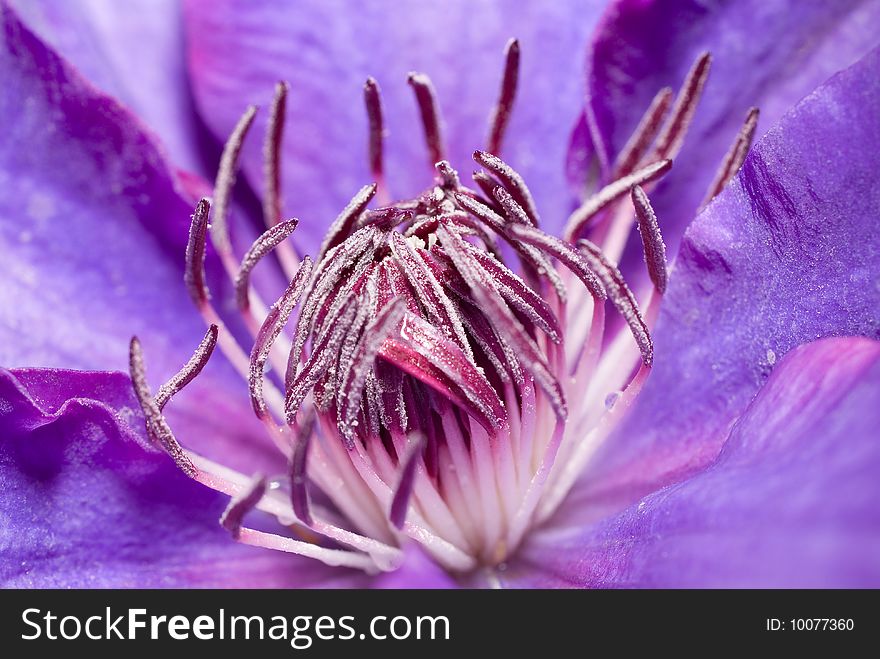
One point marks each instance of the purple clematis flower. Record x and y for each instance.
(497, 382)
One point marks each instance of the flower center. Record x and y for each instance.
(449, 371)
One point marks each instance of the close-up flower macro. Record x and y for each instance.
(464, 294)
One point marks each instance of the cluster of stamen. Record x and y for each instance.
(428, 386)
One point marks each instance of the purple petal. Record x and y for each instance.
(85, 505)
(93, 233)
(133, 51)
(791, 500)
(788, 253)
(239, 49)
(764, 54)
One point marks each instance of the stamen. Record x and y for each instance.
(734, 158)
(632, 152)
(385, 322)
(581, 217)
(652, 240)
(566, 254)
(621, 297)
(520, 296)
(504, 322)
(447, 357)
(329, 292)
(275, 321)
(448, 176)
(486, 184)
(194, 272)
(299, 495)
(512, 210)
(224, 184)
(242, 504)
(534, 263)
(190, 370)
(426, 98)
(674, 130)
(158, 429)
(373, 103)
(501, 113)
(430, 291)
(345, 221)
(272, 156)
(404, 488)
(512, 182)
(323, 352)
(261, 246)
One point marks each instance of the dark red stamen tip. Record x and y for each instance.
(486, 184)
(581, 217)
(226, 181)
(735, 156)
(430, 113)
(674, 130)
(621, 297)
(268, 241)
(501, 112)
(643, 135)
(191, 369)
(373, 104)
(566, 255)
(242, 504)
(345, 222)
(512, 182)
(652, 240)
(274, 322)
(194, 273)
(375, 333)
(272, 156)
(157, 427)
(448, 176)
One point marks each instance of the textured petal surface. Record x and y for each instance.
(790, 501)
(93, 230)
(765, 54)
(238, 49)
(787, 254)
(86, 505)
(134, 51)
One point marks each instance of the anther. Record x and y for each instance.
(429, 109)
(641, 138)
(621, 297)
(224, 183)
(735, 156)
(275, 321)
(190, 370)
(448, 176)
(582, 216)
(158, 429)
(194, 272)
(566, 254)
(373, 104)
(345, 222)
(652, 240)
(501, 112)
(674, 130)
(512, 182)
(272, 156)
(261, 246)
